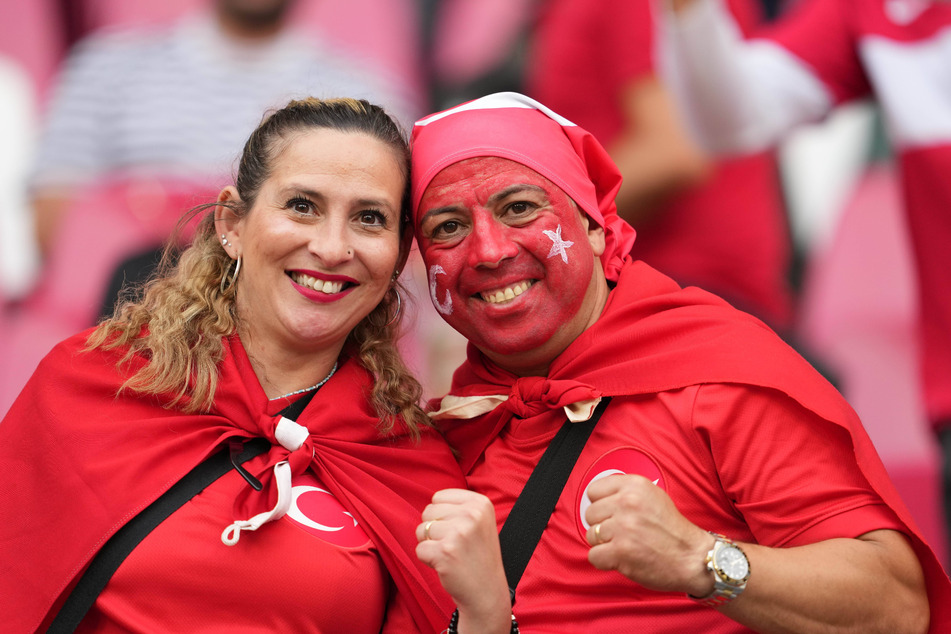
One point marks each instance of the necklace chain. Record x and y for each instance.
(307, 389)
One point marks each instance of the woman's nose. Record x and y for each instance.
(330, 241)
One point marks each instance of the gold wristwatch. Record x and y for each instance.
(731, 570)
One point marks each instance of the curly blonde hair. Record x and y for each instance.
(185, 310)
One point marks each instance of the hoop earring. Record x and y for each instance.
(399, 307)
(227, 284)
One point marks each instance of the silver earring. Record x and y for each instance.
(227, 284)
(224, 240)
(399, 307)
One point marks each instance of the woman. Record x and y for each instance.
(288, 291)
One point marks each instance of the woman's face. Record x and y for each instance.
(321, 243)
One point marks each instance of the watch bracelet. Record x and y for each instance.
(454, 624)
(722, 592)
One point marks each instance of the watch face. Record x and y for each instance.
(731, 561)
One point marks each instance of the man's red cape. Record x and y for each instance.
(653, 337)
(79, 462)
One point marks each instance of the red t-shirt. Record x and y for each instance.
(746, 462)
(313, 570)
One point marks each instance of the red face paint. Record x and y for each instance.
(511, 262)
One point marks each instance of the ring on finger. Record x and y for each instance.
(597, 533)
(426, 528)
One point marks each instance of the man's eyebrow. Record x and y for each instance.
(514, 189)
(493, 199)
(439, 211)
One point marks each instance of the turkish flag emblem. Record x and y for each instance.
(318, 512)
(624, 460)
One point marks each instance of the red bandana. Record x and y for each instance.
(654, 336)
(80, 462)
(512, 126)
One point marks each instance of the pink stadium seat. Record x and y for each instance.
(110, 223)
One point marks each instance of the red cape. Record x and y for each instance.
(654, 336)
(73, 451)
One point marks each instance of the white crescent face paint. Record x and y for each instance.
(443, 307)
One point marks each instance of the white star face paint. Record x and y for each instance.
(443, 307)
(558, 246)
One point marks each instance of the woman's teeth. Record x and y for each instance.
(321, 286)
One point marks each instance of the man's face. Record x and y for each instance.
(512, 262)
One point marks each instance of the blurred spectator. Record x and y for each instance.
(176, 102)
(33, 35)
(473, 49)
(743, 95)
(18, 257)
(722, 227)
(144, 122)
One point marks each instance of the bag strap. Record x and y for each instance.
(114, 551)
(529, 516)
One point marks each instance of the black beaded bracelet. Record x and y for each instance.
(454, 624)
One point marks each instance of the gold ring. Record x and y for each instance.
(597, 533)
(426, 528)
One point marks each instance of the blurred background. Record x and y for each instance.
(117, 116)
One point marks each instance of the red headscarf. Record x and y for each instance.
(512, 126)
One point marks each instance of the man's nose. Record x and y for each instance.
(491, 242)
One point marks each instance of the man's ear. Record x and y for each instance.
(227, 221)
(595, 234)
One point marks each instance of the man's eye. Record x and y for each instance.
(521, 207)
(446, 229)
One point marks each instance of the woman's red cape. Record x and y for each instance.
(79, 462)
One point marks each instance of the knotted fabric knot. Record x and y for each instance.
(296, 439)
(290, 434)
(531, 396)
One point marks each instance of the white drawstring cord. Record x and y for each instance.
(291, 435)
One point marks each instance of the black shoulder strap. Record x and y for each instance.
(114, 551)
(534, 506)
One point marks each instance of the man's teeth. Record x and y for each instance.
(505, 294)
(321, 286)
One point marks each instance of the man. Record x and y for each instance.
(744, 95)
(713, 424)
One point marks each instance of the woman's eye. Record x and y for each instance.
(300, 205)
(373, 217)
